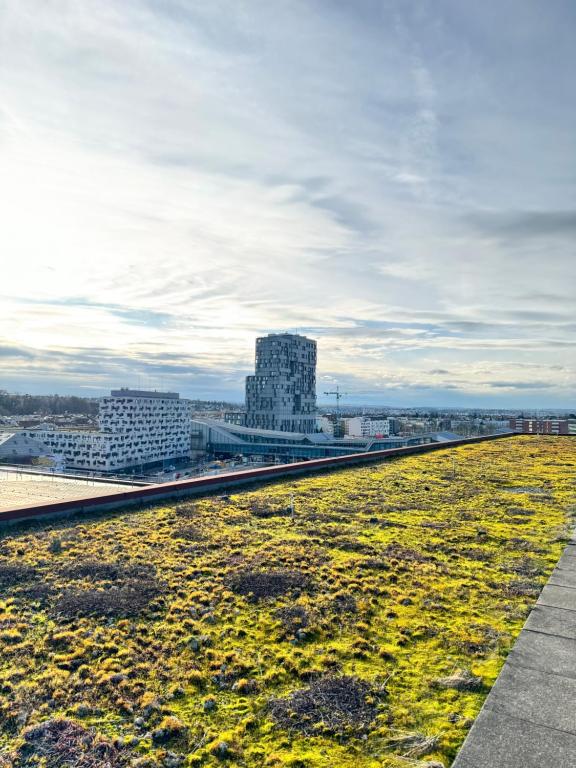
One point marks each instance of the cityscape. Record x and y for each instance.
(160, 435)
(287, 384)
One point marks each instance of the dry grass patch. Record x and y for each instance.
(258, 585)
(334, 705)
(63, 743)
(129, 599)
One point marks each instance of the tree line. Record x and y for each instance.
(47, 405)
(57, 405)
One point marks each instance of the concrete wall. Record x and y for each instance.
(207, 485)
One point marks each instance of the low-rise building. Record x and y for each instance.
(544, 426)
(324, 424)
(235, 417)
(224, 440)
(367, 426)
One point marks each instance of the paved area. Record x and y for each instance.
(529, 717)
(21, 489)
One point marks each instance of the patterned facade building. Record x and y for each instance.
(136, 428)
(281, 395)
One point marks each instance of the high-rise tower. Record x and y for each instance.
(282, 393)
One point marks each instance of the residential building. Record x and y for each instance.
(281, 395)
(324, 424)
(136, 428)
(367, 426)
(544, 426)
(235, 417)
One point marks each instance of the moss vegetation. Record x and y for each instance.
(364, 630)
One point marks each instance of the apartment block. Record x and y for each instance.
(544, 426)
(281, 395)
(136, 428)
(367, 426)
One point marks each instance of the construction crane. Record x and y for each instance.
(338, 395)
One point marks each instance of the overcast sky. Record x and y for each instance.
(394, 178)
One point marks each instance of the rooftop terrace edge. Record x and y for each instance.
(527, 719)
(206, 485)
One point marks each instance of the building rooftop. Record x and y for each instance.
(287, 333)
(125, 392)
(20, 488)
(394, 543)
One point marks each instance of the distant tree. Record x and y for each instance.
(46, 405)
(58, 405)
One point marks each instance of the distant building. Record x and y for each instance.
(281, 395)
(136, 428)
(324, 424)
(235, 417)
(339, 428)
(16, 447)
(544, 426)
(367, 426)
(395, 425)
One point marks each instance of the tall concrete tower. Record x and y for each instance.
(282, 393)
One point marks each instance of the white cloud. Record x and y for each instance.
(191, 175)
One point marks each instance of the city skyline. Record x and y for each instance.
(390, 179)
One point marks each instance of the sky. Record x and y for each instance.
(393, 178)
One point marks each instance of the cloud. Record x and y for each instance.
(15, 353)
(178, 178)
(525, 224)
(536, 385)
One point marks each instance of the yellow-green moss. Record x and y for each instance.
(412, 569)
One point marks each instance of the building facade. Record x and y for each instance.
(324, 424)
(235, 417)
(544, 426)
(225, 440)
(281, 395)
(16, 446)
(367, 426)
(136, 428)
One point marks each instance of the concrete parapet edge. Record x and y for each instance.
(15, 470)
(528, 720)
(207, 485)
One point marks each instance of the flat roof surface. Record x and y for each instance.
(144, 393)
(18, 489)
